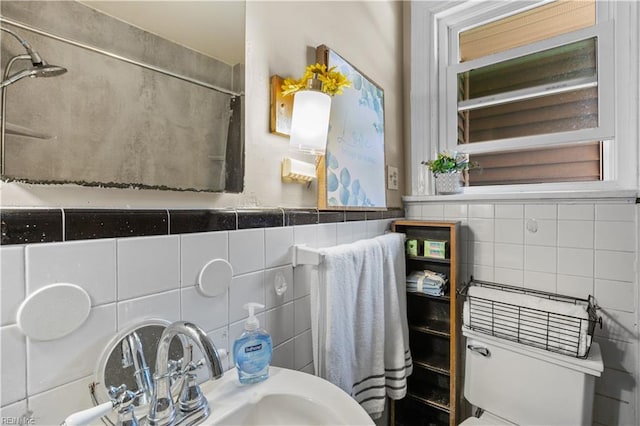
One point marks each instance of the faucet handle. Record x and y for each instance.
(193, 366)
(120, 399)
(175, 368)
(191, 397)
(126, 412)
(114, 392)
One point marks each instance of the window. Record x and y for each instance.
(530, 95)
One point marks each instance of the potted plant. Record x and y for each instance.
(447, 170)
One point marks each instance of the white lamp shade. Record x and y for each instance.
(310, 121)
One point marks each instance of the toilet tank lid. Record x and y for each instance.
(592, 365)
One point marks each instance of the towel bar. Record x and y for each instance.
(303, 255)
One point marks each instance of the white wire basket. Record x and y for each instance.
(561, 324)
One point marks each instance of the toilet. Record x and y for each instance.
(512, 383)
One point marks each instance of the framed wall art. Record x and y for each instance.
(352, 174)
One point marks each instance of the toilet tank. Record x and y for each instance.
(529, 386)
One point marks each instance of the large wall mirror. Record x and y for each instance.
(152, 96)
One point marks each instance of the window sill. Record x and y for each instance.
(619, 196)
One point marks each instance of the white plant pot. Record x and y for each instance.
(448, 183)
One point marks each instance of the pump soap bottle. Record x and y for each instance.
(252, 350)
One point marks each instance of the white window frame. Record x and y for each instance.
(431, 27)
(604, 131)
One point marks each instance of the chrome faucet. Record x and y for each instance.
(133, 355)
(162, 410)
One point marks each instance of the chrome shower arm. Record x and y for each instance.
(34, 56)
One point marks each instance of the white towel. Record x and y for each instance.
(549, 324)
(397, 356)
(347, 312)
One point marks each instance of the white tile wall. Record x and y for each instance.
(196, 250)
(90, 264)
(359, 230)
(575, 234)
(540, 259)
(277, 244)
(56, 404)
(376, 227)
(57, 362)
(273, 278)
(615, 265)
(481, 210)
(614, 236)
(151, 272)
(133, 279)
(209, 313)
(148, 265)
(326, 234)
(621, 212)
(543, 281)
(579, 249)
(509, 231)
(246, 250)
(576, 212)
(303, 350)
(344, 233)
(306, 234)
(545, 235)
(244, 289)
(164, 305)
(18, 411)
(280, 323)
(12, 290)
(433, 211)
(13, 366)
(541, 211)
(509, 211)
(481, 229)
(575, 262)
(283, 355)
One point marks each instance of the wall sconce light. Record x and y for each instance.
(297, 171)
(304, 117)
(310, 119)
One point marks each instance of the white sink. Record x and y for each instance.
(287, 397)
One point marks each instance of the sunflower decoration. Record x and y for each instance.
(333, 81)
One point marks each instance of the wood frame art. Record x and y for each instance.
(352, 173)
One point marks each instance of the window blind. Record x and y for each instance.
(537, 24)
(557, 164)
(539, 114)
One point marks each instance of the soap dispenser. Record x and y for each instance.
(252, 350)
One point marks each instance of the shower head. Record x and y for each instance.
(43, 70)
(40, 67)
(46, 70)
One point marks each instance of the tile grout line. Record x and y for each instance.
(63, 223)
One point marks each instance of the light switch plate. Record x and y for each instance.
(392, 177)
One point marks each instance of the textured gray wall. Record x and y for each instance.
(115, 123)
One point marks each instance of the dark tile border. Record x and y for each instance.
(374, 215)
(25, 226)
(35, 225)
(295, 217)
(189, 221)
(248, 219)
(350, 216)
(331, 216)
(88, 224)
